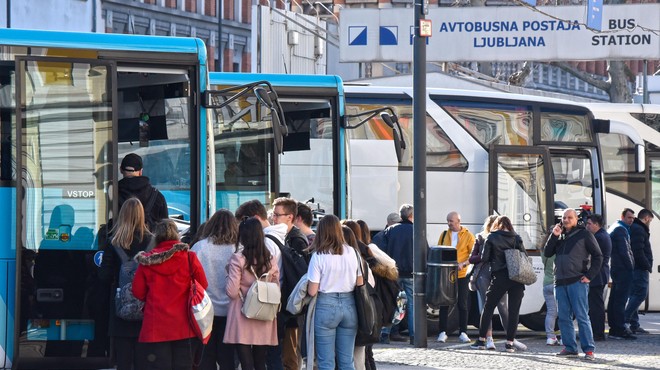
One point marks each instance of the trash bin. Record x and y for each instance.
(442, 272)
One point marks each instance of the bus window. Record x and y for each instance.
(621, 177)
(493, 124)
(243, 149)
(441, 152)
(520, 188)
(161, 103)
(564, 127)
(573, 180)
(654, 169)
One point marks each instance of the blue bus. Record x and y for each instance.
(72, 105)
(312, 165)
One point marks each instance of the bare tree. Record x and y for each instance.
(618, 75)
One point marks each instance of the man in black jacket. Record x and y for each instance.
(578, 261)
(135, 185)
(640, 244)
(597, 286)
(621, 270)
(398, 244)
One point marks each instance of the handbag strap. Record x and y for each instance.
(359, 266)
(240, 294)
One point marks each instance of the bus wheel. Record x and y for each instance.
(534, 321)
(433, 327)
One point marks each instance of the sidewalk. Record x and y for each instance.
(643, 353)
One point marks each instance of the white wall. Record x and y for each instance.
(61, 15)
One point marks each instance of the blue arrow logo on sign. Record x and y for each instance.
(389, 35)
(357, 35)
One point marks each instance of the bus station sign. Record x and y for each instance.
(508, 33)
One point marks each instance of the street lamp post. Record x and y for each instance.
(419, 176)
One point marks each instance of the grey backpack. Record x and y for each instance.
(127, 307)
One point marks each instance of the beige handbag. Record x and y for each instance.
(262, 301)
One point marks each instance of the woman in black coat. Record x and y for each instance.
(501, 238)
(130, 234)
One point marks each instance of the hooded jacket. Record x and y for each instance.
(141, 188)
(640, 244)
(578, 254)
(162, 281)
(398, 242)
(622, 258)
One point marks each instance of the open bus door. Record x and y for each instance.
(64, 129)
(76, 119)
(520, 187)
(653, 191)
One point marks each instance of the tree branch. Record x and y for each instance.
(584, 76)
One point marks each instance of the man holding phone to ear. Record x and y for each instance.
(578, 260)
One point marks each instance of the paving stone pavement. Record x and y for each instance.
(643, 353)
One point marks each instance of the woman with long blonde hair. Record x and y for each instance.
(129, 236)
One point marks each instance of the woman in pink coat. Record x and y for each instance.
(252, 337)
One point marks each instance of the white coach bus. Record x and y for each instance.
(522, 156)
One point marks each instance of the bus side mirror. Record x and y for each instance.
(397, 134)
(278, 134)
(269, 100)
(601, 126)
(263, 97)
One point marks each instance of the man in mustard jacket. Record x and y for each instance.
(463, 240)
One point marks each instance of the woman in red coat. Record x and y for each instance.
(163, 280)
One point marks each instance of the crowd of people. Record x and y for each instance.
(318, 271)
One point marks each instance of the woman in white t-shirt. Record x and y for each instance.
(333, 273)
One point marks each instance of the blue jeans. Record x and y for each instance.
(572, 301)
(335, 327)
(638, 292)
(551, 310)
(616, 305)
(407, 286)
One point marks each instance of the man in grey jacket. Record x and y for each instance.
(578, 260)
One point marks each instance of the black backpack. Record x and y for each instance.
(127, 307)
(294, 266)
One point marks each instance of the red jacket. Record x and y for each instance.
(162, 280)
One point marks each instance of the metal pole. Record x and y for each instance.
(645, 88)
(419, 178)
(219, 47)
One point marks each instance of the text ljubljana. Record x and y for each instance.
(498, 41)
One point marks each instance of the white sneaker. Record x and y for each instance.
(490, 344)
(463, 338)
(552, 341)
(442, 337)
(519, 346)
